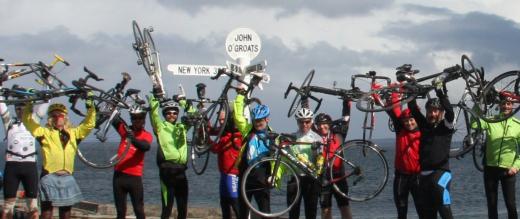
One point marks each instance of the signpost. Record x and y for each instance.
(194, 70)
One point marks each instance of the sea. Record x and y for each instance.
(467, 190)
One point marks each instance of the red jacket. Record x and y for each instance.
(406, 143)
(133, 162)
(228, 149)
(333, 145)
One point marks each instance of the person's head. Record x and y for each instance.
(57, 116)
(506, 102)
(18, 108)
(304, 119)
(407, 120)
(323, 122)
(434, 111)
(260, 116)
(170, 111)
(137, 116)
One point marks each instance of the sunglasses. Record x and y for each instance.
(171, 112)
(57, 115)
(137, 118)
(304, 121)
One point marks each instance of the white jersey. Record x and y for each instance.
(21, 145)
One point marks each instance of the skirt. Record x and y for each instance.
(61, 190)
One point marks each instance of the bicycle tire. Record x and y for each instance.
(478, 154)
(464, 137)
(297, 98)
(199, 161)
(138, 36)
(474, 76)
(214, 128)
(368, 102)
(367, 167)
(277, 194)
(150, 56)
(489, 102)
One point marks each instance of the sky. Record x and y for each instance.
(335, 38)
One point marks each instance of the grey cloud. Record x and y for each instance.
(424, 10)
(493, 40)
(325, 8)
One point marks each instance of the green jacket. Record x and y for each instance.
(501, 143)
(170, 137)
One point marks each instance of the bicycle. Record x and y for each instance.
(465, 137)
(281, 159)
(148, 56)
(507, 85)
(206, 122)
(40, 69)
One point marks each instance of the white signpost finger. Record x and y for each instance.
(194, 70)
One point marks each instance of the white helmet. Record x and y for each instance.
(137, 109)
(304, 113)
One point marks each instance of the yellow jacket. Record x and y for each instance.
(55, 156)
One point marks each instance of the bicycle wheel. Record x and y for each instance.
(464, 137)
(137, 45)
(212, 125)
(478, 153)
(105, 151)
(277, 191)
(490, 100)
(297, 98)
(199, 161)
(473, 78)
(150, 56)
(365, 168)
(380, 99)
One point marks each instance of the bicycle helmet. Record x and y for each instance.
(304, 113)
(323, 118)
(433, 102)
(169, 105)
(136, 109)
(506, 96)
(57, 106)
(260, 112)
(405, 114)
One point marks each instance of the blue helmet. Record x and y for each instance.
(260, 112)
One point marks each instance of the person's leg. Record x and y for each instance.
(311, 196)
(414, 190)
(180, 188)
(326, 201)
(46, 208)
(291, 196)
(166, 193)
(509, 190)
(442, 197)
(425, 197)
(136, 195)
(342, 202)
(65, 212)
(491, 189)
(233, 202)
(119, 195)
(30, 184)
(11, 182)
(401, 194)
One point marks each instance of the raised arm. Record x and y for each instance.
(29, 122)
(416, 113)
(87, 125)
(155, 118)
(238, 115)
(449, 116)
(6, 116)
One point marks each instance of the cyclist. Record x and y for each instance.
(436, 132)
(407, 166)
(171, 156)
(59, 142)
(256, 146)
(228, 148)
(128, 173)
(20, 157)
(332, 134)
(501, 160)
(310, 188)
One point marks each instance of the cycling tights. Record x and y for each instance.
(124, 184)
(174, 184)
(405, 184)
(492, 175)
(310, 190)
(434, 194)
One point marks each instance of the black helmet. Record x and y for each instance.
(169, 105)
(322, 118)
(433, 102)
